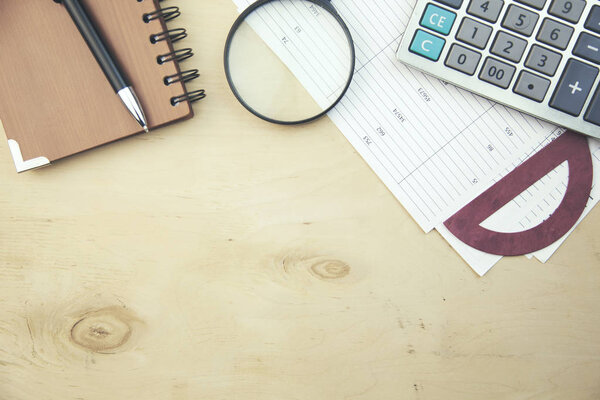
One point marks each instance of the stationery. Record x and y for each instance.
(55, 101)
(435, 146)
(105, 60)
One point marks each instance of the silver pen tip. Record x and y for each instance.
(132, 103)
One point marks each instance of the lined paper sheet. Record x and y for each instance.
(435, 146)
(321, 60)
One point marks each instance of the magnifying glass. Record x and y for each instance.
(289, 61)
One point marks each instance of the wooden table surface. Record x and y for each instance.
(226, 258)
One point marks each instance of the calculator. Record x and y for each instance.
(541, 57)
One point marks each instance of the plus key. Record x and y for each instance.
(574, 87)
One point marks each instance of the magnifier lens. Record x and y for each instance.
(288, 61)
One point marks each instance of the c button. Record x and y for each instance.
(427, 45)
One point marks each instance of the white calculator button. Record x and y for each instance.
(555, 34)
(532, 86)
(497, 73)
(509, 47)
(569, 10)
(488, 10)
(474, 33)
(543, 60)
(462, 59)
(520, 20)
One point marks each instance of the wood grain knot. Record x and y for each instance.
(330, 269)
(102, 330)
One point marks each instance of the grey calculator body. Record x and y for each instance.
(541, 57)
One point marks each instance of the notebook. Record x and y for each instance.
(55, 100)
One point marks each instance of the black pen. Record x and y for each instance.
(106, 61)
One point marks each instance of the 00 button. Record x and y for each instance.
(497, 73)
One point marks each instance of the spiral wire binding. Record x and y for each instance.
(177, 55)
(174, 35)
(167, 14)
(182, 77)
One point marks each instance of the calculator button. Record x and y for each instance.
(474, 33)
(497, 73)
(593, 112)
(569, 10)
(555, 34)
(574, 87)
(588, 47)
(520, 20)
(508, 46)
(451, 3)
(488, 10)
(462, 59)
(438, 19)
(539, 4)
(427, 45)
(593, 21)
(532, 86)
(543, 60)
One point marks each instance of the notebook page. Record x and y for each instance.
(435, 146)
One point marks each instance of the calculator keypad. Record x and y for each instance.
(438, 19)
(427, 45)
(543, 60)
(520, 20)
(543, 52)
(497, 72)
(574, 87)
(509, 47)
(569, 10)
(532, 86)
(593, 21)
(474, 33)
(488, 10)
(588, 47)
(555, 34)
(463, 59)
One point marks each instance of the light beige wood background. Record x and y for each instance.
(226, 258)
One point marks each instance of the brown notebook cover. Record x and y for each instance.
(55, 100)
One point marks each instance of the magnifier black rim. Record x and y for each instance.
(325, 4)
